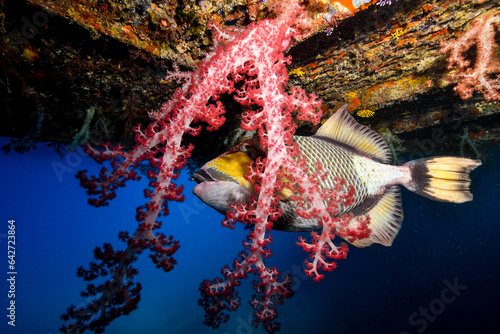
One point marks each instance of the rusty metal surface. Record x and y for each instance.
(388, 66)
(67, 64)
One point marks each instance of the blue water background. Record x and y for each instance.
(375, 290)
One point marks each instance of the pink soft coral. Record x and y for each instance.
(249, 64)
(482, 75)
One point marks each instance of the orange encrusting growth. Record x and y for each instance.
(348, 4)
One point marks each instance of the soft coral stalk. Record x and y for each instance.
(482, 75)
(254, 59)
(264, 64)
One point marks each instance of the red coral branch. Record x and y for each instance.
(254, 58)
(264, 62)
(482, 75)
(266, 66)
(324, 205)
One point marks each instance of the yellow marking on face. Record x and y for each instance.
(234, 166)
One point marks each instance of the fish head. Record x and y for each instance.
(222, 180)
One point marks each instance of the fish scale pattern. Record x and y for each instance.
(337, 162)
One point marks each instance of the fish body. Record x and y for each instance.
(350, 151)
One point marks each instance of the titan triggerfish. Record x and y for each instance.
(350, 151)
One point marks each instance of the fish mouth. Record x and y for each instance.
(212, 175)
(202, 175)
(217, 190)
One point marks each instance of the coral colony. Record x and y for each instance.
(254, 59)
(250, 65)
(481, 33)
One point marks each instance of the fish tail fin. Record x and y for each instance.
(444, 179)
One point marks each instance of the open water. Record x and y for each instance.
(440, 276)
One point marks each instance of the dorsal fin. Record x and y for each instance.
(343, 128)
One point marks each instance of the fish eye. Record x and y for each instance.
(245, 147)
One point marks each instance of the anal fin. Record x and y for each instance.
(386, 217)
